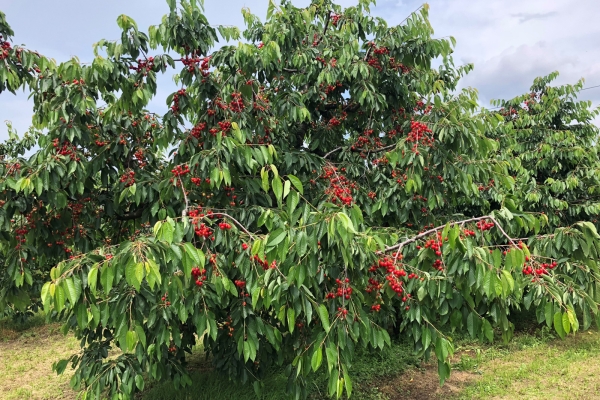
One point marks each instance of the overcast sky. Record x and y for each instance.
(510, 42)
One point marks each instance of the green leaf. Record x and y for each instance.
(324, 316)
(131, 340)
(316, 359)
(265, 179)
(488, 331)
(131, 274)
(277, 189)
(566, 323)
(196, 254)
(93, 278)
(548, 313)
(276, 237)
(558, 325)
(106, 278)
(139, 382)
(291, 319)
(166, 233)
(347, 383)
(82, 316)
(73, 290)
(59, 298)
(471, 324)
(297, 183)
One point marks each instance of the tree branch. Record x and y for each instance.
(238, 223)
(187, 204)
(132, 215)
(399, 246)
(379, 150)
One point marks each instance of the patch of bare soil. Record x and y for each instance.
(423, 384)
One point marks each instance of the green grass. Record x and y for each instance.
(534, 367)
(27, 351)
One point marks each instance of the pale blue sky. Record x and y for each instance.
(510, 42)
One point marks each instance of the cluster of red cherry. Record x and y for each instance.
(366, 140)
(240, 284)
(237, 103)
(144, 66)
(335, 18)
(225, 126)
(419, 135)
(5, 48)
(258, 99)
(484, 225)
(128, 178)
(541, 270)
(140, 158)
(192, 62)
(20, 236)
(203, 231)
(197, 130)
(164, 299)
(399, 66)
(331, 88)
(343, 290)
(435, 245)
(65, 149)
(13, 168)
(224, 226)
(176, 96)
(180, 170)
(468, 232)
(401, 178)
(263, 263)
(199, 276)
(487, 187)
(340, 188)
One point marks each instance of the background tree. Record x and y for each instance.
(310, 190)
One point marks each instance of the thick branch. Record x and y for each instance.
(132, 215)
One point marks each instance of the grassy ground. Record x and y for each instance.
(533, 366)
(27, 352)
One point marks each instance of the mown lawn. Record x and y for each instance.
(533, 366)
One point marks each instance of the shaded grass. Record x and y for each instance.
(369, 369)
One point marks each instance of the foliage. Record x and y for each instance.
(310, 190)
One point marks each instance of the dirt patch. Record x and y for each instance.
(423, 384)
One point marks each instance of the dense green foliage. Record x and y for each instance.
(314, 188)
